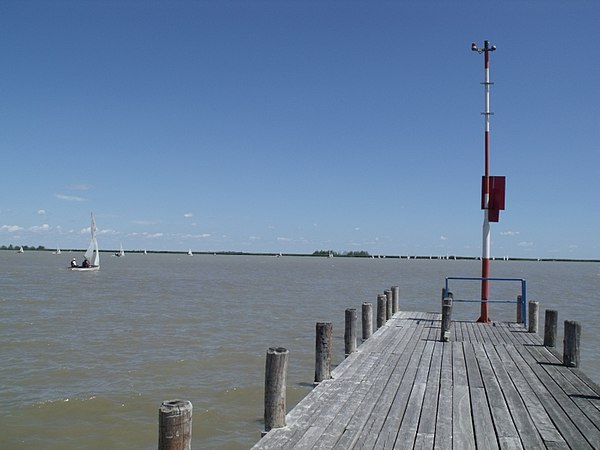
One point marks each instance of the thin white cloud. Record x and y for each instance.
(525, 244)
(188, 215)
(41, 212)
(283, 239)
(40, 228)
(105, 231)
(444, 238)
(356, 228)
(11, 228)
(70, 198)
(509, 233)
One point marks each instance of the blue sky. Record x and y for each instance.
(295, 126)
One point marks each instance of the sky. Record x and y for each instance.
(296, 126)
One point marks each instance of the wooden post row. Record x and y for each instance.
(550, 326)
(395, 299)
(275, 387)
(533, 316)
(323, 351)
(388, 304)
(367, 321)
(381, 310)
(572, 336)
(175, 425)
(350, 331)
(446, 317)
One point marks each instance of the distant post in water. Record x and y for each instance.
(381, 310)
(395, 299)
(323, 351)
(350, 331)
(367, 321)
(175, 425)
(519, 309)
(550, 326)
(275, 387)
(571, 340)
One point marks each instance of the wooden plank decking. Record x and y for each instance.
(491, 387)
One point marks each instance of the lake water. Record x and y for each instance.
(87, 358)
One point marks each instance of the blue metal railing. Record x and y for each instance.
(523, 293)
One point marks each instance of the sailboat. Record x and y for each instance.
(190, 252)
(92, 254)
(121, 252)
(57, 252)
(20, 250)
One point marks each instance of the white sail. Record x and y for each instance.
(92, 254)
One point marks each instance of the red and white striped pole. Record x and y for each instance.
(486, 244)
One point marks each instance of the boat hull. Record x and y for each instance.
(84, 269)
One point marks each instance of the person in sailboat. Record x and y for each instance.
(73, 262)
(85, 263)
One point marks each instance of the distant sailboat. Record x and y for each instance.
(20, 250)
(190, 252)
(92, 254)
(145, 252)
(57, 252)
(121, 252)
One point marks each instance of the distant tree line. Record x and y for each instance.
(25, 247)
(358, 254)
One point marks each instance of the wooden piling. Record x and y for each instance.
(571, 340)
(388, 304)
(175, 425)
(323, 351)
(367, 320)
(446, 318)
(519, 309)
(276, 369)
(395, 299)
(550, 326)
(381, 310)
(533, 316)
(350, 331)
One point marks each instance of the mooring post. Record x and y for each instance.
(350, 331)
(276, 369)
(550, 326)
(175, 425)
(533, 316)
(395, 299)
(519, 309)
(367, 320)
(446, 317)
(388, 304)
(323, 351)
(381, 310)
(571, 340)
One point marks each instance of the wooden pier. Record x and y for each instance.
(490, 387)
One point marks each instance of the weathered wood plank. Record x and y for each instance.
(532, 371)
(527, 432)
(462, 424)
(443, 431)
(540, 418)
